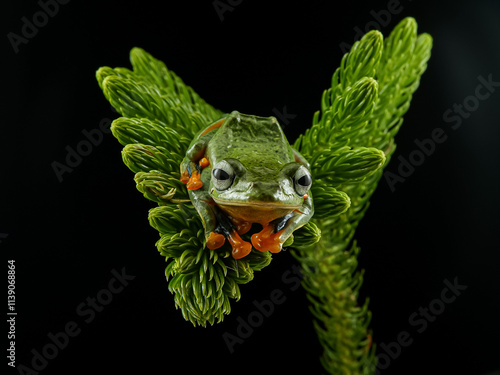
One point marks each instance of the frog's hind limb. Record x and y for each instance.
(207, 211)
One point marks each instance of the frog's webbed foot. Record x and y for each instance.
(267, 239)
(191, 173)
(241, 226)
(215, 240)
(230, 228)
(240, 247)
(274, 234)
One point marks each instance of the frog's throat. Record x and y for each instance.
(256, 212)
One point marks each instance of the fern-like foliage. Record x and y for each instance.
(161, 115)
(349, 143)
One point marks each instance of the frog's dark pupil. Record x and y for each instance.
(220, 174)
(305, 180)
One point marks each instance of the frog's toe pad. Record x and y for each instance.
(185, 176)
(241, 250)
(263, 242)
(215, 240)
(194, 182)
(242, 226)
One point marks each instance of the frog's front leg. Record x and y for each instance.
(195, 160)
(192, 166)
(216, 235)
(217, 225)
(205, 206)
(274, 234)
(232, 228)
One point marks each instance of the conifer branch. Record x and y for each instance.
(161, 115)
(349, 143)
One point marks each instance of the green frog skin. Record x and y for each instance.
(241, 170)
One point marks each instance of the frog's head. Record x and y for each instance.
(261, 192)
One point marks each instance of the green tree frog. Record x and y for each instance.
(241, 170)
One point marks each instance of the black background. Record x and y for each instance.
(66, 237)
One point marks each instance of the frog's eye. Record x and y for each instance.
(302, 181)
(222, 175)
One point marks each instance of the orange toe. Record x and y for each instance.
(194, 182)
(215, 240)
(204, 162)
(185, 177)
(242, 226)
(266, 240)
(274, 244)
(240, 248)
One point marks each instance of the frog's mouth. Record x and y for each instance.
(256, 212)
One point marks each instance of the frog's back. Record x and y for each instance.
(252, 139)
